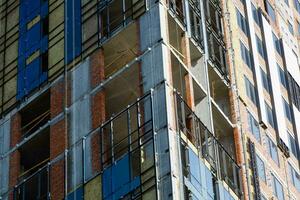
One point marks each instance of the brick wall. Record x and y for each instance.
(14, 162)
(97, 105)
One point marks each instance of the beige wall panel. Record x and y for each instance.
(56, 17)
(56, 53)
(12, 18)
(11, 52)
(2, 25)
(10, 88)
(92, 190)
(54, 3)
(89, 28)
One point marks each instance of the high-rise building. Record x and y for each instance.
(264, 49)
(149, 99)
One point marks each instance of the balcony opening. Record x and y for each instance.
(35, 115)
(121, 49)
(177, 7)
(196, 24)
(34, 155)
(176, 37)
(214, 16)
(116, 14)
(217, 54)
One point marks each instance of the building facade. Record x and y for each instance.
(265, 48)
(149, 99)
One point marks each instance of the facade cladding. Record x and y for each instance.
(149, 99)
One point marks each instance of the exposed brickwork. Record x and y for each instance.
(14, 161)
(58, 140)
(97, 67)
(56, 98)
(57, 180)
(97, 105)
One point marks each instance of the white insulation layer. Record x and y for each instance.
(4, 163)
(275, 81)
(80, 122)
(257, 70)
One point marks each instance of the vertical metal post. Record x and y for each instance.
(112, 140)
(48, 181)
(154, 145)
(66, 172)
(83, 159)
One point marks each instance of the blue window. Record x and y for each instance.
(287, 110)
(253, 127)
(265, 80)
(250, 90)
(277, 45)
(246, 56)
(242, 22)
(292, 145)
(260, 47)
(282, 76)
(272, 149)
(295, 177)
(261, 168)
(291, 29)
(297, 5)
(270, 10)
(277, 188)
(255, 14)
(270, 115)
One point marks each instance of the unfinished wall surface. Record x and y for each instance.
(4, 147)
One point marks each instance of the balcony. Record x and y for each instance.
(196, 23)
(116, 14)
(127, 159)
(193, 131)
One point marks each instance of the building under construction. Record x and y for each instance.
(146, 99)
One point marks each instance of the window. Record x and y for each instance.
(295, 177)
(287, 110)
(250, 90)
(253, 127)
(246, 56)
(294, 91)
(272, 149)
(298, 28)
(286, 2)
(277, 44)
(270, 115)
(292, 145)
(282, 76)
(260, 168)
(270, 10)
(265, 80)
(291, 28)
(297, 5)
(242, 22)
(277, 188)
(255, 14)
(260, 47)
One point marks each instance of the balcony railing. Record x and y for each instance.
(212, 150)
(36, 186)
(126, 140)
(196, 23)
(115, 14)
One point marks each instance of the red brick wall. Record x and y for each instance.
(97, 105)
(58, 140)
(14, 162)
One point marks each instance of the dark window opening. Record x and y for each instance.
(45, 62)
(35, 115)
(45, 26)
